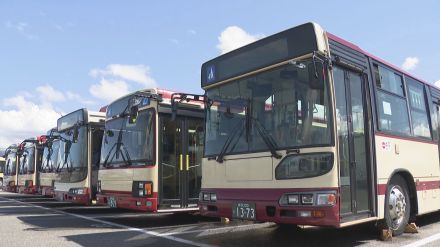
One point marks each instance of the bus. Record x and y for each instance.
(80, 135)
(305, 128)
(50, 162)
(2, 170)
(10, 172)
(29, 162)
(152, 152)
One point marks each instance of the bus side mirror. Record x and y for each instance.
(316, 75)
(133, 114)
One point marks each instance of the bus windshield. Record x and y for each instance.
(11, 164)
(50, 157)
(72, 163)
(26, 161)
(126, 143)
(2, 166)
(285, 105)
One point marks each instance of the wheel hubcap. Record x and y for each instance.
(397, 206)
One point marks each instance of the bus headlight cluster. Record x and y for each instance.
(326, 199)
(208, 197)
(78, 191)
(142, 188)
(309, 199)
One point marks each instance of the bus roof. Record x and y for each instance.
(357, 48)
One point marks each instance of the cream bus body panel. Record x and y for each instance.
(7, 179)
(233, 173)
(65, 187)
(122, 179)
(47, 178)
(22, 178)
(422, 163)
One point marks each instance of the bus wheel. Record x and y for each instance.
(397, 205)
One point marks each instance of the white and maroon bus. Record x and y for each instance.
(80, 136)
(305, 128)
(50, 161)
(151, 158)
(10, 171)
(29, 156)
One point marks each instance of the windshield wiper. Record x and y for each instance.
(221, 155)
(245, 123)
(66, 154)
(118, 145)
(267, 138)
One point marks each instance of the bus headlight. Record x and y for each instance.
(208, 197)
(292, 199)
(326, 199)
(307, 199)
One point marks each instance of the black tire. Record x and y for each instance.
(397, 205)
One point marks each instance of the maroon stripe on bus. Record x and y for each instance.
(420, 186)
(413, 139)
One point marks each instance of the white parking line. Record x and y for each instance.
(133, 229)
(424, 241)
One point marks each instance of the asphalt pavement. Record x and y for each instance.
(31, 220)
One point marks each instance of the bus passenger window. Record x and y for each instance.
(417, 104)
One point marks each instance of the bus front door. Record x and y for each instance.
(353, 129)
(181, 151)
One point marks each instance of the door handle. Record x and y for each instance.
(181, 162)
(187, 162)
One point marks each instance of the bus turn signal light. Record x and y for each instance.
(148, 187)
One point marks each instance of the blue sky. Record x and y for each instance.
(57, 57)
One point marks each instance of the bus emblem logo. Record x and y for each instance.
(210, 71)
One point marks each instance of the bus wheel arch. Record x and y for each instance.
(400, 202)
(412, 191)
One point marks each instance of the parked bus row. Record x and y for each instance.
(301, 127)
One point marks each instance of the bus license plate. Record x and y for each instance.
(112, 202)
(245, 211)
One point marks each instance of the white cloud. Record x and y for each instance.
(24, 119)
(234, 37)
(109, 90)
(76, 97)
(21, 27)
(410, 63)
(50, 94)
(117, 80)
(136, 73)
(437, 83)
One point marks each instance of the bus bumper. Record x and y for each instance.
(83, 199)
(127, 201)
(268, 208)
(28, 190)
(12, 189)
(47, 191)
